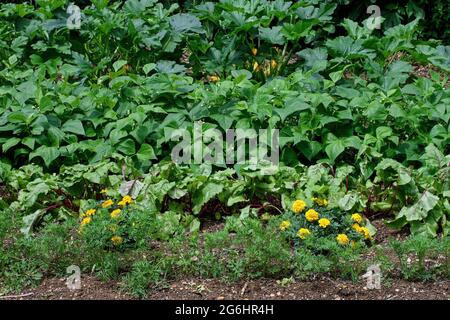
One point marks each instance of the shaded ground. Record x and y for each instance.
(197, 289)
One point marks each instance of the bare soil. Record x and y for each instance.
(260, 289)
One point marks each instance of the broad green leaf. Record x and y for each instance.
(186, 23)
(127, 147)
(272, 35)
(73, 126)
(119, 64)
(10, 143)
(334, 149)
(48, 154)
(145, 153)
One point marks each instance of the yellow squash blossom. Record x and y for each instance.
(342, 239)
(303, 233)
(254, 51)
(273, 64)
(324, 222)
(255, 66)
(107, 203)
(104, 191)
(213, 78)
(298, 206)
(284, 225)
(117, 240)
(312, 215)
(357, 217)
(115, 213)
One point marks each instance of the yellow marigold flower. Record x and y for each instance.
(342, 239)
(357, 217)
(117, 240)
(107, 203)
(104, 191)
(115, 213)
(303, 233)
(85, 221)
(324, 222)
(365, 232)
(356, 227)
(89, 212)
(312, 215)
(254, 51)
(125, 200)
(298, 206)
(284, 225)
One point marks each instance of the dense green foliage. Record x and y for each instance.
(86, 109)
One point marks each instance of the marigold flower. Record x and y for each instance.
(115, 213)
(298, 206)
(303, 233)
(85, 221)
(356, 227)
(107, 203)
(357, 217)
(342, 239)
(365, 232)
(324, 222)
(284, 225)
(89, 212)
(312, 215)
(117, 240)
(125, 200)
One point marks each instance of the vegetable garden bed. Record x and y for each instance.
(115, 119)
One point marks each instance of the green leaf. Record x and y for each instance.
(290, 106)
(347, 202)
(206, 193)
(272, 35)
(149, 67)
(186, 23)
(334, 149)
(74, 126)
(31, 220)
(145, 153)
(127, 147)
(48, 154)
(119, 64)
(10, 143)
(420, 209)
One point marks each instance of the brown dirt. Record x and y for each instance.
(384, 233)
(322, 288)
(56, 289)
(261, 289)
